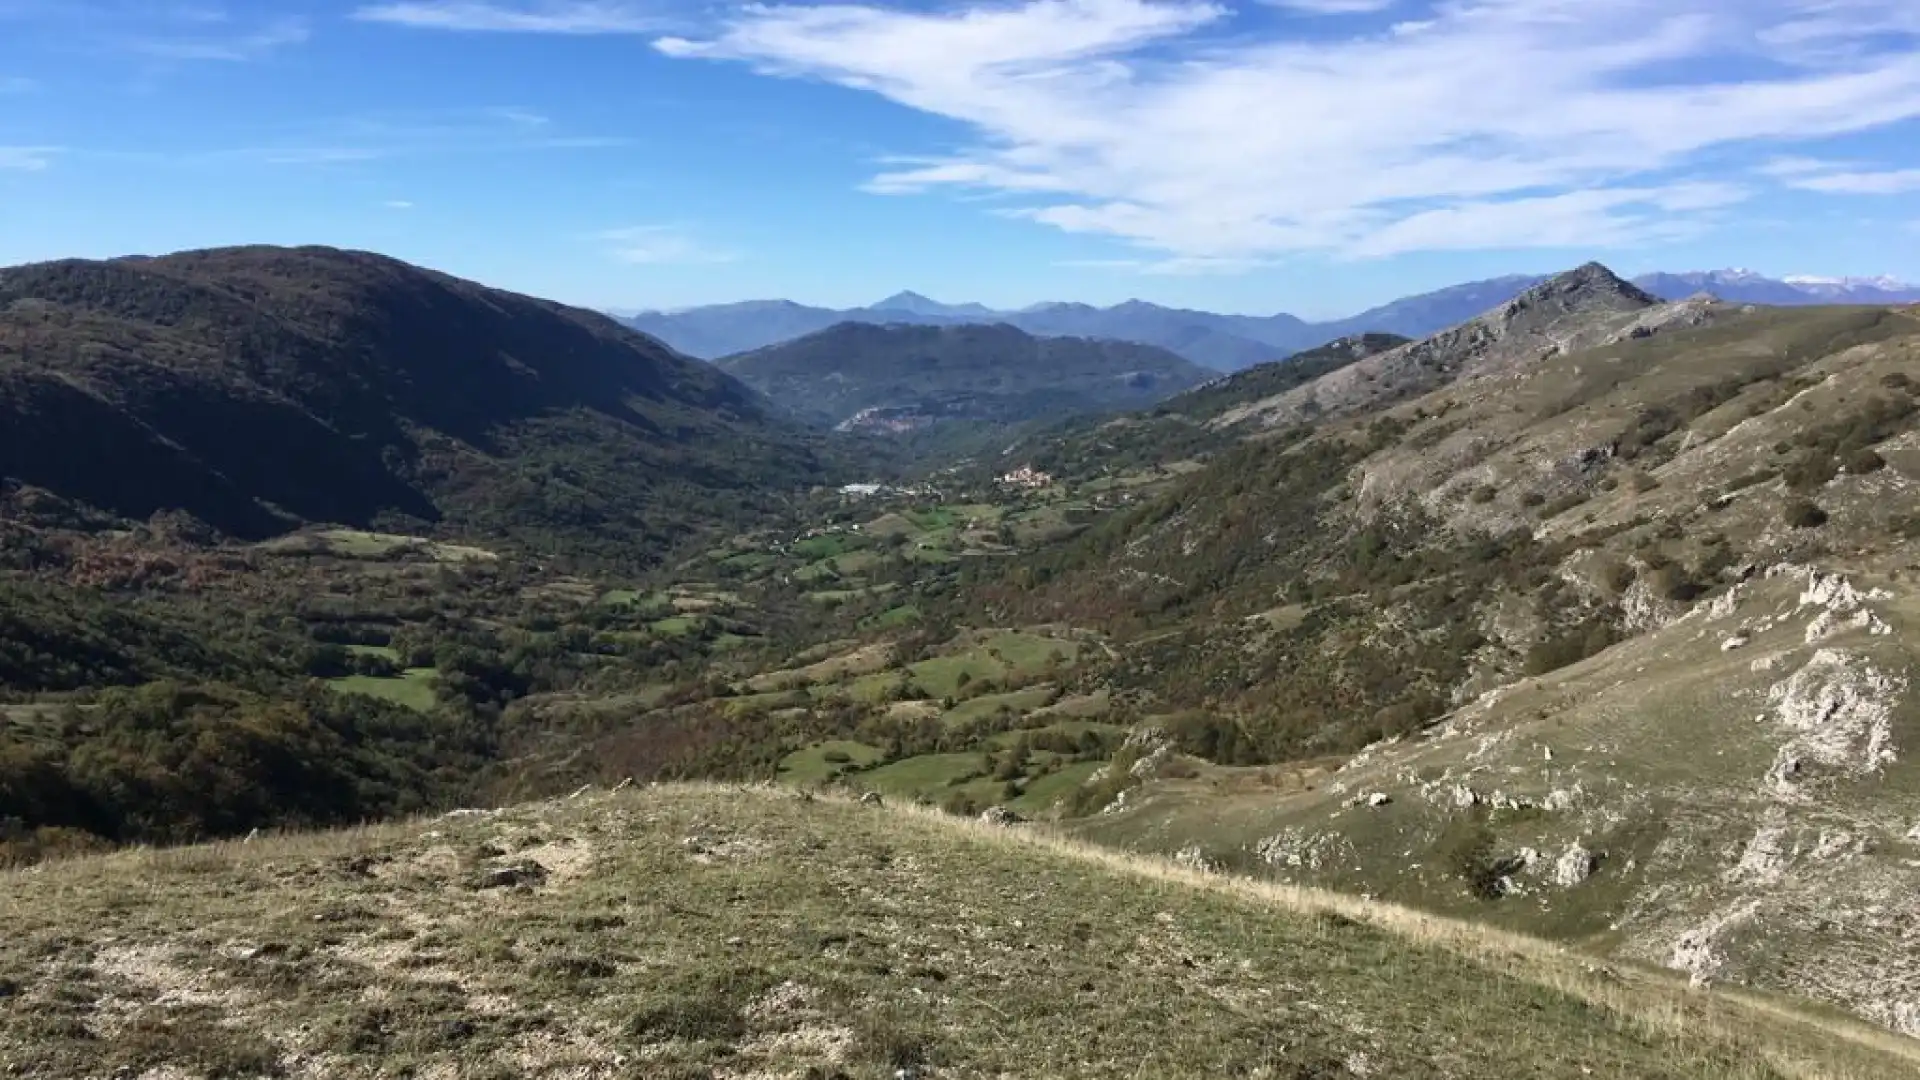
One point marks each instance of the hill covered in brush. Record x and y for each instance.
(859, 376)
(1450, 513)
(1613, 600)
(1179, 430)
(257, 389)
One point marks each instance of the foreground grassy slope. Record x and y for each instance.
(685, 931)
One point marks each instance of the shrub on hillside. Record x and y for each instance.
(961, 804)
(1804, 514)
(1812, 471)
(168, 763)
(1864, 460)
(1466, 850)
(1571, 646)
(1671, 581)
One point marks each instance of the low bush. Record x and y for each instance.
(1804, 514)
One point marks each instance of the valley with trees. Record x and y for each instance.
(1585, 629)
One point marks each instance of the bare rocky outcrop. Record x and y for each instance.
(1837, 712)
(1574, 866)
(1195, 858)
(1699, 951)
(1301, 849)
(523, 872)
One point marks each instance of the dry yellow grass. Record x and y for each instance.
(731, 932)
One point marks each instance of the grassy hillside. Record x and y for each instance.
(1320, 586)
(1608, 575)
(684, 931)
(1729, 795)
(257, 389)
(924, 374)
(1181, 428)
(1534, 622)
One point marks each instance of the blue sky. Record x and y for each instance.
(1313, 156)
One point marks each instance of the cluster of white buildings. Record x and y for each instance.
(1026, 476)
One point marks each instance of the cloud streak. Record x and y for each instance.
(1175, 126)
(27, 158)
(356, 140)
(241, 47)
(659, 245)
(1332, 7)
(554, 17)
(1892, 182)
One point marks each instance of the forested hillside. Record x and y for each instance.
(258, 389)
(858, 375)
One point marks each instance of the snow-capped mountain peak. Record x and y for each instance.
(1883, 283)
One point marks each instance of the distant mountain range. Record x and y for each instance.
(1747, 287)
(1222, 342)
(893, 379)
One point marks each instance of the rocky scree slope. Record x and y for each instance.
(1731, 796)
(683, 931)
(260, 388)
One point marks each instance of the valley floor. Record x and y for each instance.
(683, 931)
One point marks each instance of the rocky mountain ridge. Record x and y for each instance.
(1580, 309)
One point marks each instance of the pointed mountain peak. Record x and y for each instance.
(906, 300)
(916, 304)
(1587, 285)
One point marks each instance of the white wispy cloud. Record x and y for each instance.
(353, 140)
(1174, 126)
(1859, 182)
(213, 39)
(27, 158)
(660, 244)
(398, 204)
(552, 17)
(1829, 177)
(1788, 167)
(1333, 7)
(1173, 267)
